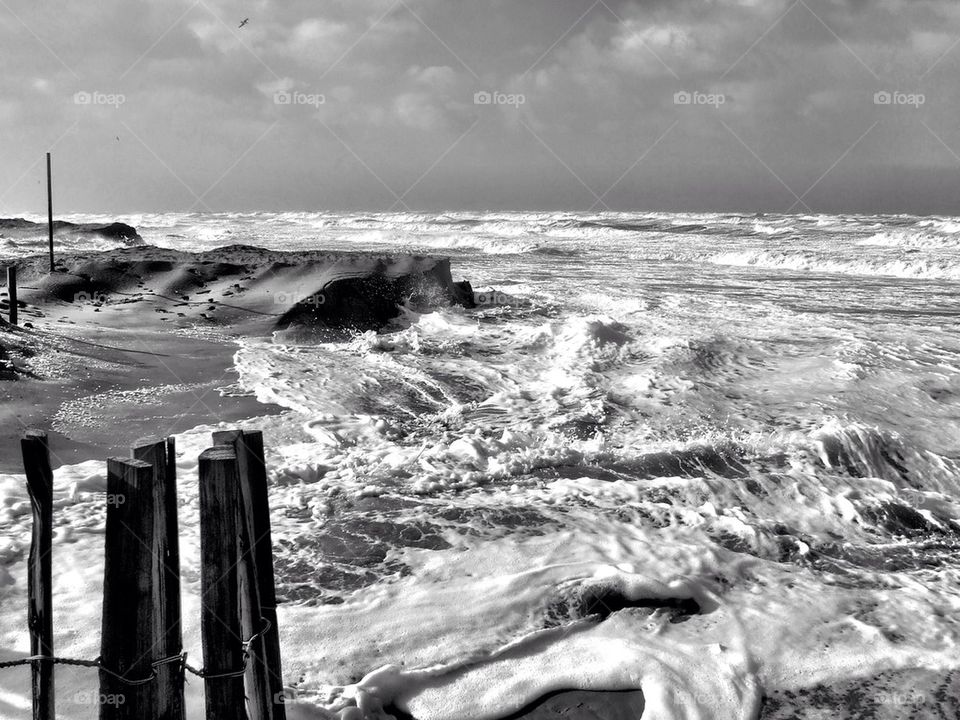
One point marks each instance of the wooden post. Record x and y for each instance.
(160, 455)
(50, 209)
(259, 597)
(128, 635)
(219, 583)
(36, 465)
(12, 292)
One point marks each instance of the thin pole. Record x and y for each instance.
(12, 292)
(50, 210)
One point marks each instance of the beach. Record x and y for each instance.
(683, 465)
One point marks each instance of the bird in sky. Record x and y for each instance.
(244, 21)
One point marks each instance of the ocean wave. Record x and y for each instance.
(950, 226)
(864, 451)
(806, 261)
(556, 251)
(911, 239)
(762, 228)
(491, 246)
(624, 225)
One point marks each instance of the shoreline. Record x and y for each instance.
(134, 384)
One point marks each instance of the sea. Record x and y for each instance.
(711, 456)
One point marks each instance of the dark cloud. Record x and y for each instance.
(382, 95)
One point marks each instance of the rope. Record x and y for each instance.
(206, 674)
(181, 659)
(82, 663)
(55, 660)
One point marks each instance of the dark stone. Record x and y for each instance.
(601, 601)
(369, 302)
(115, 230)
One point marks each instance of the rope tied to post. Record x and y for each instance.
(181, 659)
(203, 673)
(30, 659)
(98, 663)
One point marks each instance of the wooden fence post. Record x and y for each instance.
(259, 599)
(160, 455)
(36, 465)
(128, 640)
(12, 293)
(219, 583)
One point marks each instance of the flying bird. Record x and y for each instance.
(244, 21)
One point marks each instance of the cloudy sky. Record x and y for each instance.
(745, 105)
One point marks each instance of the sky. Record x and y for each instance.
(810, 106)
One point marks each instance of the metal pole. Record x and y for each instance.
(50, 210)
(12, 292)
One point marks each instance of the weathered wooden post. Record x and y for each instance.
(258, 592)
(160, 455)
(50, 209)
(12, 292)
(36, 465)
(219, 583)
(128, 632)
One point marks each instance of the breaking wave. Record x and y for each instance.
(807, 261)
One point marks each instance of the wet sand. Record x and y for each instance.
(117, 386)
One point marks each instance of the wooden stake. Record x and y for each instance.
(128, 634)
(160, 455)
(219, 583)
(36, 465)
(259, 599)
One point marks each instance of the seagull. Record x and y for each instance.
(244, 21)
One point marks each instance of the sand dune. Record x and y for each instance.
(113, 334)
(248, 289)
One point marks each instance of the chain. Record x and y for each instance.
(181, 659)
